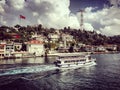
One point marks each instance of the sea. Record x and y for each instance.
(41, 74)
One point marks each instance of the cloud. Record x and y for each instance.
(50, 13)
(106, 20)
(1, 9)
(111, 30)
(115, 3)
(56, 14)
(19, 4)
(88, 27)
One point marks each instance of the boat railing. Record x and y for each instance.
(72, 58)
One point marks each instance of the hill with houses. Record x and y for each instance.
(54, 39)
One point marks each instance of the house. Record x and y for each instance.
(111, 47)
(18, 53)
(67, 37)
(88, 48)
(35, 47)
(100, 48)
(54, 37)
(15, 36)
(8, 51)
(39, 37)
(2, 49)
(67, 40)
(17, 46)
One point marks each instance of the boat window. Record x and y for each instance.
(6, 54)
(59, 61)
(82, 60)
(89, 57)
(72, 61)
(65, 61)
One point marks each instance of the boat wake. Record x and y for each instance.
(25, 70)
(36, 69)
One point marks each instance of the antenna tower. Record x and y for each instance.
(81, 19)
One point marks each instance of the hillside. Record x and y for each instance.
(86, 37)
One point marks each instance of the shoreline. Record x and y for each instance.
(112, 52)
(54, 54)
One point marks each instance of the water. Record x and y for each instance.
(37, 60)
(44, 76)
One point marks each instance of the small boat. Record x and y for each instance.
(66, 60)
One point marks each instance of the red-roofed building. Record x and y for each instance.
(15, 36)
(35, 42)
(35, 47)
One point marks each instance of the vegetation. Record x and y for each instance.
(86, 37)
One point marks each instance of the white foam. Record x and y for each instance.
(32, 69)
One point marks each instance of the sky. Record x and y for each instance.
(100, 15)
(82, 4)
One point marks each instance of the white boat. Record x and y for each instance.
(66, 60)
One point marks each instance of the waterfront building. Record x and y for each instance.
(9, 49)
(88, 48)
(17, 46)
(100, 48)
(111, 47)
(2, 49)
(35, 47)
(18, 53)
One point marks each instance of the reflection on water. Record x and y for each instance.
(37, 60)
(103, 76)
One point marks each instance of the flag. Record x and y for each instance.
(22, 17)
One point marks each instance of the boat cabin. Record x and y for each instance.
(72, 59)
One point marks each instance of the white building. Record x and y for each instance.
(36, 47)
(66, 38)
(111, 47)
(100, 48)
(54, 37)
(18, 46)
(9, 49)
(2, 49)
